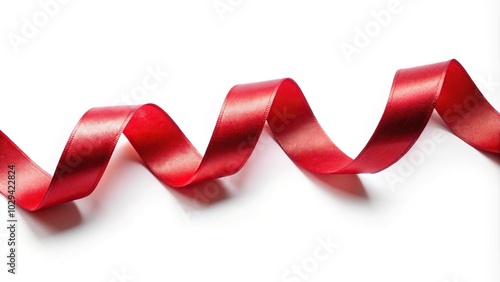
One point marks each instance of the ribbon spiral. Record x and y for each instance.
(171, 157)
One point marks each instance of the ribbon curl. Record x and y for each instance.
(169, 155)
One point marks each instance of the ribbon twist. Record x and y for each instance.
(169, 155)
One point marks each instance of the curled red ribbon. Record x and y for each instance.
(165, 150)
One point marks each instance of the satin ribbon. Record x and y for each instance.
(169, 155)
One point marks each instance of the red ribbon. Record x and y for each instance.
(165, 150)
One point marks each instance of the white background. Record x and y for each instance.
(439, 222)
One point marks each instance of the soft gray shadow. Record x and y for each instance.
(340, 184)
(200, 195)
(53, 220)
